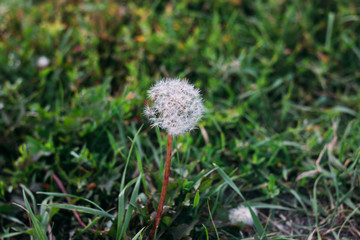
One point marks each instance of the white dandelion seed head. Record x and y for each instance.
(43, 62)
(241, 215)
(176, 106)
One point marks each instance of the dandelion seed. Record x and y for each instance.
(241, 216)
(43, 62)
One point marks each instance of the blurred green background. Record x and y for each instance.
(280, 81)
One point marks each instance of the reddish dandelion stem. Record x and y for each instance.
(164, 186)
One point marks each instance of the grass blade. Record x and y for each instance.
(138, 234)
(347, 219)
(80, 209)
(315, 208)
(90, 224)
(31, 196)
(54, 194)
(271, 206)
(121, 204)
(132, 203)
(141, 170)
(259, 228)
(206, 232)
(36, 224)
(8, 235)
(212, 221)
(329, 30)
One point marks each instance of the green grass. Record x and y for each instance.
(281, 84)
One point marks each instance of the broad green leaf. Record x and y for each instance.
(197, 198)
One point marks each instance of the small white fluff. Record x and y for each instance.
(241, 215)
(14, 61)
(43, 62)
(176, 106)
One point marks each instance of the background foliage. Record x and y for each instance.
(280, 81)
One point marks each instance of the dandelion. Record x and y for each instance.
(43, 62)
(176, 107)
(241, 216)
